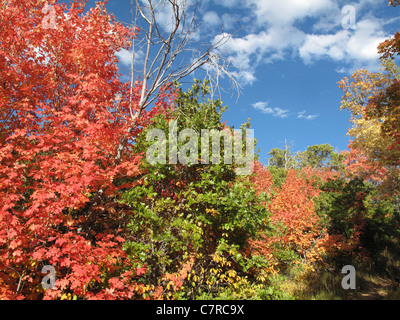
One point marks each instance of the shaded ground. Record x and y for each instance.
(376, 289)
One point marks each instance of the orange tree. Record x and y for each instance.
(301, 234)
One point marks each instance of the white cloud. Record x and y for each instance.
(271, 30)
(250, 51)
(272, 34)
(352, 48)
(305, 116)
(125, 57)
(281, 113)
(275, 112)
(245, 77)
(364, 44)
(272, 12)
(164, 12)
(309, 29)
(318, 46)
(211, 19)
(230, 3)
(229, 21)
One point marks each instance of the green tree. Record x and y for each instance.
(283, 158)
(196, 215)
(319, 156)
(368, 223)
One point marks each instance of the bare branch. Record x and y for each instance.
(164, 43)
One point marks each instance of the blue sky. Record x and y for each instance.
(291, 56)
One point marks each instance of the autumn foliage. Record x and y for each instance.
(77, 193)
(64, 112)
(293, 212)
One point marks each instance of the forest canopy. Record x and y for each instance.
(78, 194)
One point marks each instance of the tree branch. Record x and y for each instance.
(164, 45)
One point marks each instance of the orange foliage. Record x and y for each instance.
(292, 211)
(358, 165)
(261, 179)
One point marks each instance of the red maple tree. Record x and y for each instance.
(63, 114)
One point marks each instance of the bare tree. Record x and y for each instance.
(172, 51)
(284, 158)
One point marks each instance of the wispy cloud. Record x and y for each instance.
(275, 112)
(303, 115)
(264, 107)
(211, 19)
